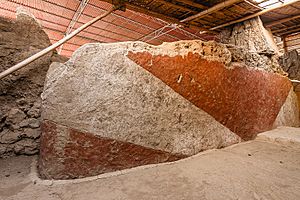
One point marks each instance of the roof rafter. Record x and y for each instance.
(285, 29)
(175, 5)
(159, 15)
(282, 20)
(295, 29)
(255, 14)
(191, 3)
(211, 10)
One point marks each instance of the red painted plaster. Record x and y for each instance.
(81, 154)
(244, 100)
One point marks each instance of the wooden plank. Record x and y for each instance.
(255, 14)
(290, 32)
(191, 3)
(284, 44)
(210, 10)
(159, 15)
(190, 11)
(293, 42)
(252, 4)
(287, 28)
(147, 12)
(175, 5)
(293, 37)
(294, 47)
(282, 21)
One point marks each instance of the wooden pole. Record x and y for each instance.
(55, 45)
(282, 21)
(285, 50)
(192, 3)
(287, 29)
(294, 81)
(215, 8)
(144, 10)
(255, 14)
(288, 32)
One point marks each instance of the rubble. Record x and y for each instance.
(20, 91)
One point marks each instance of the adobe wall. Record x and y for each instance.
(20, 92)
(252, 44)
(290, 62)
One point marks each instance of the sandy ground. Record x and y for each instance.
(266, 168)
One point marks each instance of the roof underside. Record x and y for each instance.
(176, 11)
(152, 21)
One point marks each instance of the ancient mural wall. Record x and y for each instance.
(20, 92)
(169, 101)
(128, 117)
(141, 105)
(246, 101)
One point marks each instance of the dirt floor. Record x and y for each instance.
(266, 168)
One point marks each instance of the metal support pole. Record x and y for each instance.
(57, 44)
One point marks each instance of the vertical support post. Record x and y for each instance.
(285, 50)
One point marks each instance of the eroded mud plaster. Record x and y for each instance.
(250, 43)
(20, 100)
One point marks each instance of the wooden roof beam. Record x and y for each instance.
(188, 10)
(252, 4)
(293, 37)
(191, 3)
(292, 43)
(147, 12)
(210, 10)
(294, 30)
(155, 14)
(285, 29)
(175, 5)
(160, 15)
(197, 5)
(268, 25)
(255, 14)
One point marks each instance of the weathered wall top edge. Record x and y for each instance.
(210, 50)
